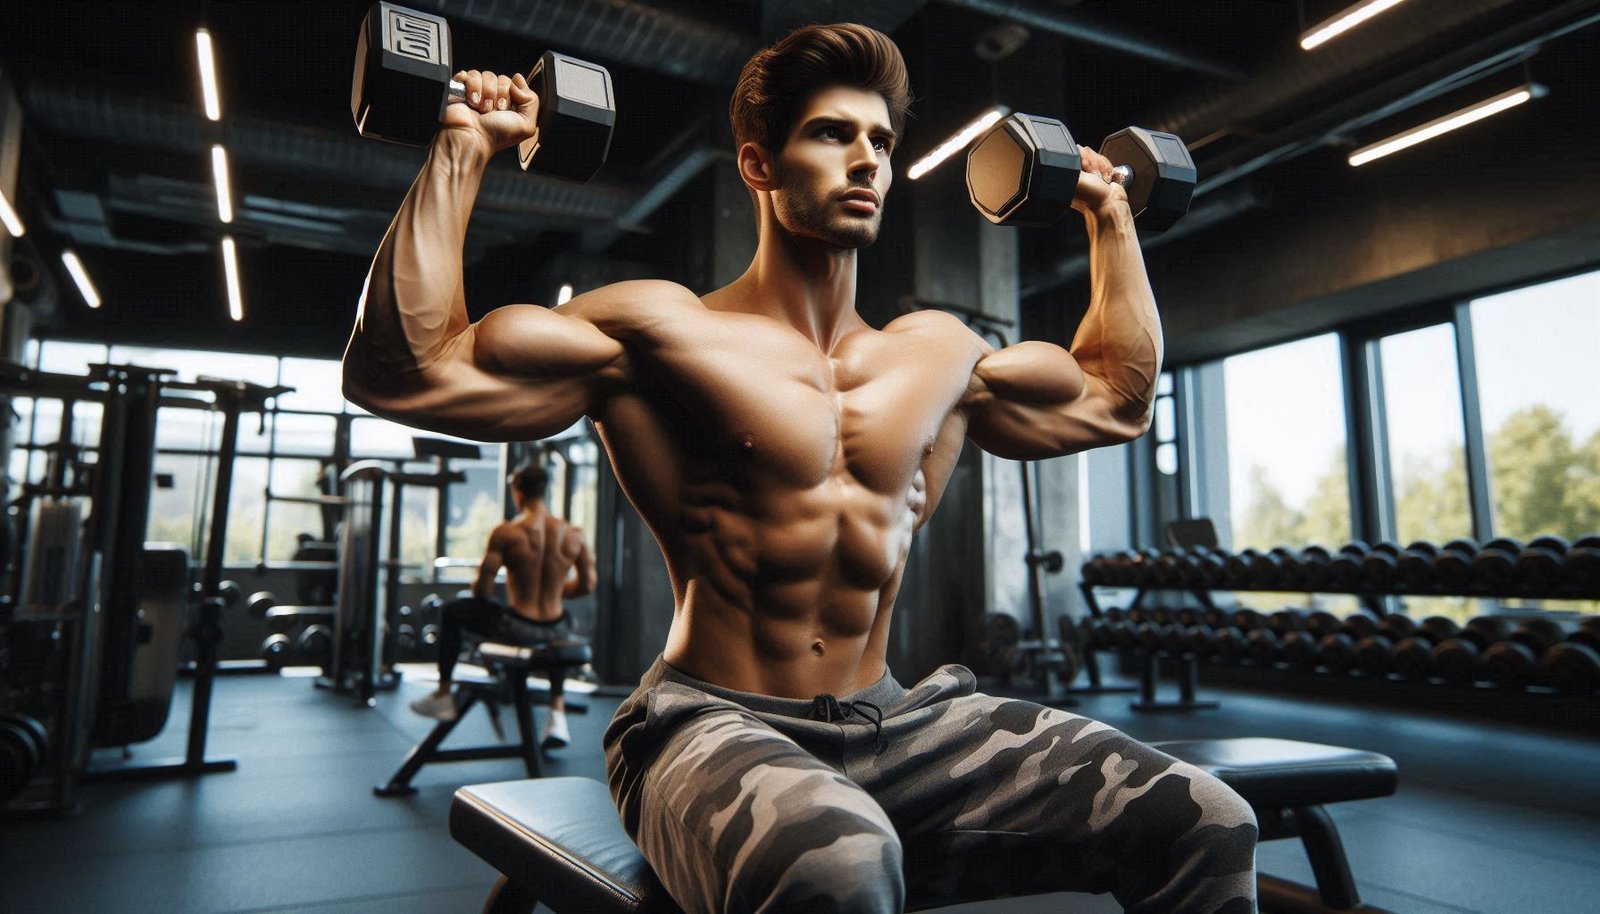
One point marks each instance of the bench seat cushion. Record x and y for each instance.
(562, 837)
(1278, 773)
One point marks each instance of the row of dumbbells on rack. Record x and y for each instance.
(1508, 652)
(303, 635)
(1548, 566)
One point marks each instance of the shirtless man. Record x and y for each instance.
(784, 453)
(546, 560)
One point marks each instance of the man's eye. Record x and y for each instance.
(881, 143)
(831, 133)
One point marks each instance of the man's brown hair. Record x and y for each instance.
(776, 82)
(530, 480)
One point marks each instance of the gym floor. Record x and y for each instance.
(1488, 818)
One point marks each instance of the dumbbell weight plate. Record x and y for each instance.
(577, 111)
(401, 74)
(1024, 171)
(1163, 175)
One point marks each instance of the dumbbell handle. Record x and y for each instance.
(1122, 174)
(456, 91)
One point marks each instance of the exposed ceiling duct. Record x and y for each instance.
(92, 113)
(649, 37)
(1051, 17)
(1284, 85)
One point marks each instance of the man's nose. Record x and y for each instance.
(863, 159)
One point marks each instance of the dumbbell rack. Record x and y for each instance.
(1373, 601)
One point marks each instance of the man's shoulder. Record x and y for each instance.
(640, 296)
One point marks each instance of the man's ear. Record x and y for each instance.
(758, 167)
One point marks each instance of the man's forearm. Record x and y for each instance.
(1119, 340)
(414, 299)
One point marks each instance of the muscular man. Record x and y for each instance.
(784, 453)
(546, 559)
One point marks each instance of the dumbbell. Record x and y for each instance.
(1310, 571)
(1337, 649)
(1272, 569)
(275, 650)
(403, 81)
(1379, 567)
(1581, 570)
(230, 593)
(260, 602)
(316, 644)
(1025, 170)
(1459, 659)
(1539, 564)
(1495, 565)
(1573, 666)
(1300, 646)
(1412, 656)
(1236, 569)
(1093, 571)
(1375, 652)
(1514, 662)
(1452, 570)
(23, 745)
(1413, 571)
(1344, 569)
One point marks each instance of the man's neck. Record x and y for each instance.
(801, 282)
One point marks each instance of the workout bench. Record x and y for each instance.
(509, 667)
(559, 842)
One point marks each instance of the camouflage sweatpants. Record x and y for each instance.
(889, 795)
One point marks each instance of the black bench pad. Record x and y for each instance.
(550, 653)
(561, 838)
(1282, 773)
(561, 835)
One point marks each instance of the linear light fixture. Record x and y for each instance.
(8, 216)
(565, 294)
(91, 296)
(956, 142)
(208, 74)
(1424, 132)
(230, 268)
(1344, 22)
(219, 172)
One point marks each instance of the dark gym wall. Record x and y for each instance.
(1510, 200)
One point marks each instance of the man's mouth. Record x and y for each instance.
(860, 200)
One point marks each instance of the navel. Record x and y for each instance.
(817, 648)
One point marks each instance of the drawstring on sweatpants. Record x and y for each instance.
(827, 709)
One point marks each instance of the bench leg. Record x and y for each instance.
(508, 897)
(400, 784)
(1328, 863)
(530, 748)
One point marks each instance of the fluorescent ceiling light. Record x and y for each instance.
(565, 295)
(230, 267)
(1433, 128)
(956, 143)
(219, 171)
(208, 75)
(1344, 22)
(81, 276)
(9, 217)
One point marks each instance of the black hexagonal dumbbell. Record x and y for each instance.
(403, 80)
(1025, 170)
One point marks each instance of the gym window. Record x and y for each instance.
(1288, 472)
(1536, 349)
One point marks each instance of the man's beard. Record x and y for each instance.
(823, 219)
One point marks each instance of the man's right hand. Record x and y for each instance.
(500, 111)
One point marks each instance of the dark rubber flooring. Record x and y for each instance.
(1489, 818)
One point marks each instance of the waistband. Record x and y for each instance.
(883, 693)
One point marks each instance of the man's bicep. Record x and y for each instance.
(1034, 400)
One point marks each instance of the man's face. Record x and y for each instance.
(834, 171)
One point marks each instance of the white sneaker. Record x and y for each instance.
(436, 706)
(555, 731)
